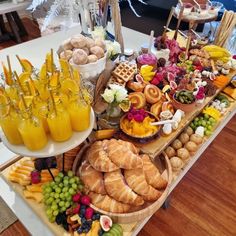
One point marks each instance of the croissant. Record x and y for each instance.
(119, 190)
(98, 158)
(137, 181)
(92, 178)
(131, 146)
(122, 155)
(107, 203)
(152, 174)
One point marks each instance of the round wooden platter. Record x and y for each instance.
(147, 209)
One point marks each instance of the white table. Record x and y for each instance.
(35, 51)
(9, 6)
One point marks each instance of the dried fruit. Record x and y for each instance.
(105, 222)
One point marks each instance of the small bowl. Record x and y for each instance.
(138, 137)
(215, 7)
(184, 107)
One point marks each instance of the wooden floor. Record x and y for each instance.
(204, 202)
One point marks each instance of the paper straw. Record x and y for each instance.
(18, 80)
(9, 65)
(23, 100)
(52, 60)
(20, 62)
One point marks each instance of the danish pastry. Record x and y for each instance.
(137, 100)
(152, 93)
(92, 178)
(119, 190)
(137, 181)
(107, 203)
(98, 157)
(152, 173)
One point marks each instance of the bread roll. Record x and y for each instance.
(98, 51)
(78, 41)
(79, 57)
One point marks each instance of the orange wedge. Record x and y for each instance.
(28, 101)
(49, 62)
(43, 72)
(3, 100)
(69, 85)
(54, 79)
(65, 68)
(7, 74)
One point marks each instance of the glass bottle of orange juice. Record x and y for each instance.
(32, 131)
(59, 123)
(9, 121)
(79, 112)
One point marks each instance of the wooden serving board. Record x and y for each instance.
(155, 147)
(38, 208)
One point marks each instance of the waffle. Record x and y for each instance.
(125, 71)
(114, 80)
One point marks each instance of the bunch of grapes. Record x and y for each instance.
(57, 195)
(206, 121)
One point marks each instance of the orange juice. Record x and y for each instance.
(32, 132)
(9, 124)
(59, 125)
(79, 115)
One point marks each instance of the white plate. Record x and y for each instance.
(52, 148)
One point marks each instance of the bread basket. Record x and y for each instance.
(147, 209)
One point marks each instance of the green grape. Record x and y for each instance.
(74, 186)
(48, 190)
(206, 116)
(57, 179)
(80, 187)
(203, 123)
(70, 173)
(67, 204)
(62, 195)
(49, 212)
(65, 189)
(57, 200)
(61, 203)
(55, 213)
(46, 195)
(52, 194)
(66, 178)
(209, 127)
(56, 195)
(61, 185)
(208, 122)
(65, 182)
(61, 175)
(77, 180)
(54, 206)
(52, 184)
(72, 180)
(50, 200)
(68, 198)
(196, 119)
(63, 209)
(211, 119)
(57, 190)
(52, 219)
(72, 191)
(207, 133)
(67, 194)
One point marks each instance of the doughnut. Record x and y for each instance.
(79, 57)
(152, 93)
(137, 99)
(100, 43)
(98, 51)
(78, 41)
(156, 109)
(90, 42)
(67, 54)
(92, 58)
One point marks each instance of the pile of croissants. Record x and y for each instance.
(118, 178)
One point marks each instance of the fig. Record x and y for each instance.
(105, 222)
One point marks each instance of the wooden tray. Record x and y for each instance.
(150, 208)
(38, 208)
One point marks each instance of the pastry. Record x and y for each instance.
(98, 157)
(170, 152)
(183, 154)
(89, 42)
(92, 58)
(168, 106)
(147, 59)
(196, 138)
(152, 174)
(137, 100)
(156, 108)
(92, 178)
(66, 45)
(138, 84)
(191, 146)
(107, 203)
(200, 53)
(100, 43)
(66, 54)
(86, 50)
(122, 155)
(184, 138)
(131, 146)
(79, 57)
(152, 93)
(176, 163)
(177, 144)
(136, 180)
(125, 71)
(78, 41)
(119, 190)
(98, 51)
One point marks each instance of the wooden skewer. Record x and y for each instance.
(169, 19)
(22, 65)
(197, 4)
(52, 61)
(53, 101)
(28, 86)
(23, 100)
(196, 33)
(187, 46)
(18, 80)
(179, 21)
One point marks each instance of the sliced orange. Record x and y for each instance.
(3, 100)
(43, 72)
(69, 85)
(28, 101)
(65, 68)
(8, 76)
(27, 66)
(49, 63)
(54, 79)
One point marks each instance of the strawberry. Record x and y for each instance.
(89, 213)
(85, 200)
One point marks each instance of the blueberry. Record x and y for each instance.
(82, 211)
(100, 232)
(80, 230)
(86, 230)
(94, 217)
(83, 207)
(83, 220)
(97, 215)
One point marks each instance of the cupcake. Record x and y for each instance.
(147, 59)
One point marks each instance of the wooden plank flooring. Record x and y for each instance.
(203, 204)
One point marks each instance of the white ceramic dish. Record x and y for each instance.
(52, 148)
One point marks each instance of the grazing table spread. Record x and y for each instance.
(158, 123)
